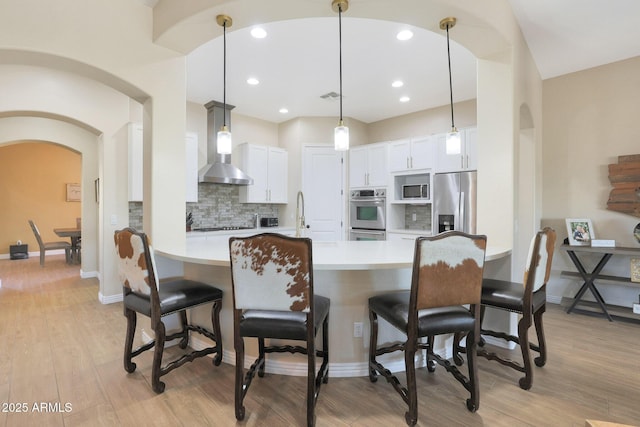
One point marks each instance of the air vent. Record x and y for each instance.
(331, 96)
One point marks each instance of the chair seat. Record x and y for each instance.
(175, 295)
(282, 324)
(57, 245)
(508, 295)
(394, 308)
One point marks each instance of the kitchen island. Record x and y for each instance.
(347, 272)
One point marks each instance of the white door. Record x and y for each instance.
(324, 195)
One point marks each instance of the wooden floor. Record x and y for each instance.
(61, 364)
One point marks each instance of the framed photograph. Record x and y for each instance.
(73, 192)
(580, 231)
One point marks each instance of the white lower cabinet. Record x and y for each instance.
(268, 167)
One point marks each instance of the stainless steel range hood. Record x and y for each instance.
(219, 169)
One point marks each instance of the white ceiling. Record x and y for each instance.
(298, 60)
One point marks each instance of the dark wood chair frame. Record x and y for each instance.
(413, 343)
(156, 314)
(531, 308)
(314, 378)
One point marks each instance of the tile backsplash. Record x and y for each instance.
(218, 206)
(423, 217)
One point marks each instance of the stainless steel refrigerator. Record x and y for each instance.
(455, 201)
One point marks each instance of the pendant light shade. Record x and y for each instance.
(341, 132)
(453, 143)
(223, 140)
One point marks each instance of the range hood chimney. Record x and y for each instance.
(219, 169)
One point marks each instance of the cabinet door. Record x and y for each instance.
(448, 162)
(378, 172)
(255, 160)
(191, 167)
(422, 153)
(278, 176)
(358, 161)
(399, 155)
(135, 148)
(471, 149)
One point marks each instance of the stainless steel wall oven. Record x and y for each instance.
(367, 214)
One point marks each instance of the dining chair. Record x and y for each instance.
(143, 293)
(273, 298)
(528, 299)
(50, 246)
(447, 275)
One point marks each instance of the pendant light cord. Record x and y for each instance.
(224, 72)
(450, 81)
(340, 51)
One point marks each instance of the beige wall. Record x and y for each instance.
(590, 118)
(33, 178)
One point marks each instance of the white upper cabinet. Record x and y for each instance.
(268, 167)
(368, 165)
(191, 167)
(135, 148)
(411, 154)
(468, 157)
(135, 178)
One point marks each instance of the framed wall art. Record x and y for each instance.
(73, 192)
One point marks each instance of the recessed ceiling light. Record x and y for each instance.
(283, 111)
(404, 35)
(405, 99)
(258, 33)
(253, 81)
(397, 83)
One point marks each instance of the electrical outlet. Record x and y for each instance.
(636, 308)
(357, 329)
(413, 217)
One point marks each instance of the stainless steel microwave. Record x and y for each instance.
(415, 191)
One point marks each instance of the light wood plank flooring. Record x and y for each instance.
(59, 345)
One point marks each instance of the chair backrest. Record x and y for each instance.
(36, 232)
(136, 266)
(539, 259)
(271, 272)
(447, 270)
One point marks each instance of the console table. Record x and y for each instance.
(589, 278)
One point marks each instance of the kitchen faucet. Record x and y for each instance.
(299, 218)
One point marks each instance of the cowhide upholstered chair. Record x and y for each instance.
(447, 274)
(527, 298)
(143, 293)
(273, 297)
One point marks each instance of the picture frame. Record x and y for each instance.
(73, 192)
(579, 231)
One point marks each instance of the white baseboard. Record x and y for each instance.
(109, 299)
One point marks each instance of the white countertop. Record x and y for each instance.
(342, 255)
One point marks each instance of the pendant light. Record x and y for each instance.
(341, 132)
(453, 145)
(223, 140)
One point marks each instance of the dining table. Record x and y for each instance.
(75, 234)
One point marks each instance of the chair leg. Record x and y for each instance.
(261, 357)
(542, 344)
(156, 369)
(311, 379)
(325, 350)
(184, 342)
(41, 258)
(215, 321)
(373, 345)
(411, 416)
(523, 335)
(474, 387)
(238, 344)
(131, 316)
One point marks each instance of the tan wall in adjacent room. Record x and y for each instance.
(33, 178)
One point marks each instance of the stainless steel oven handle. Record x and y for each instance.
(360, 231)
